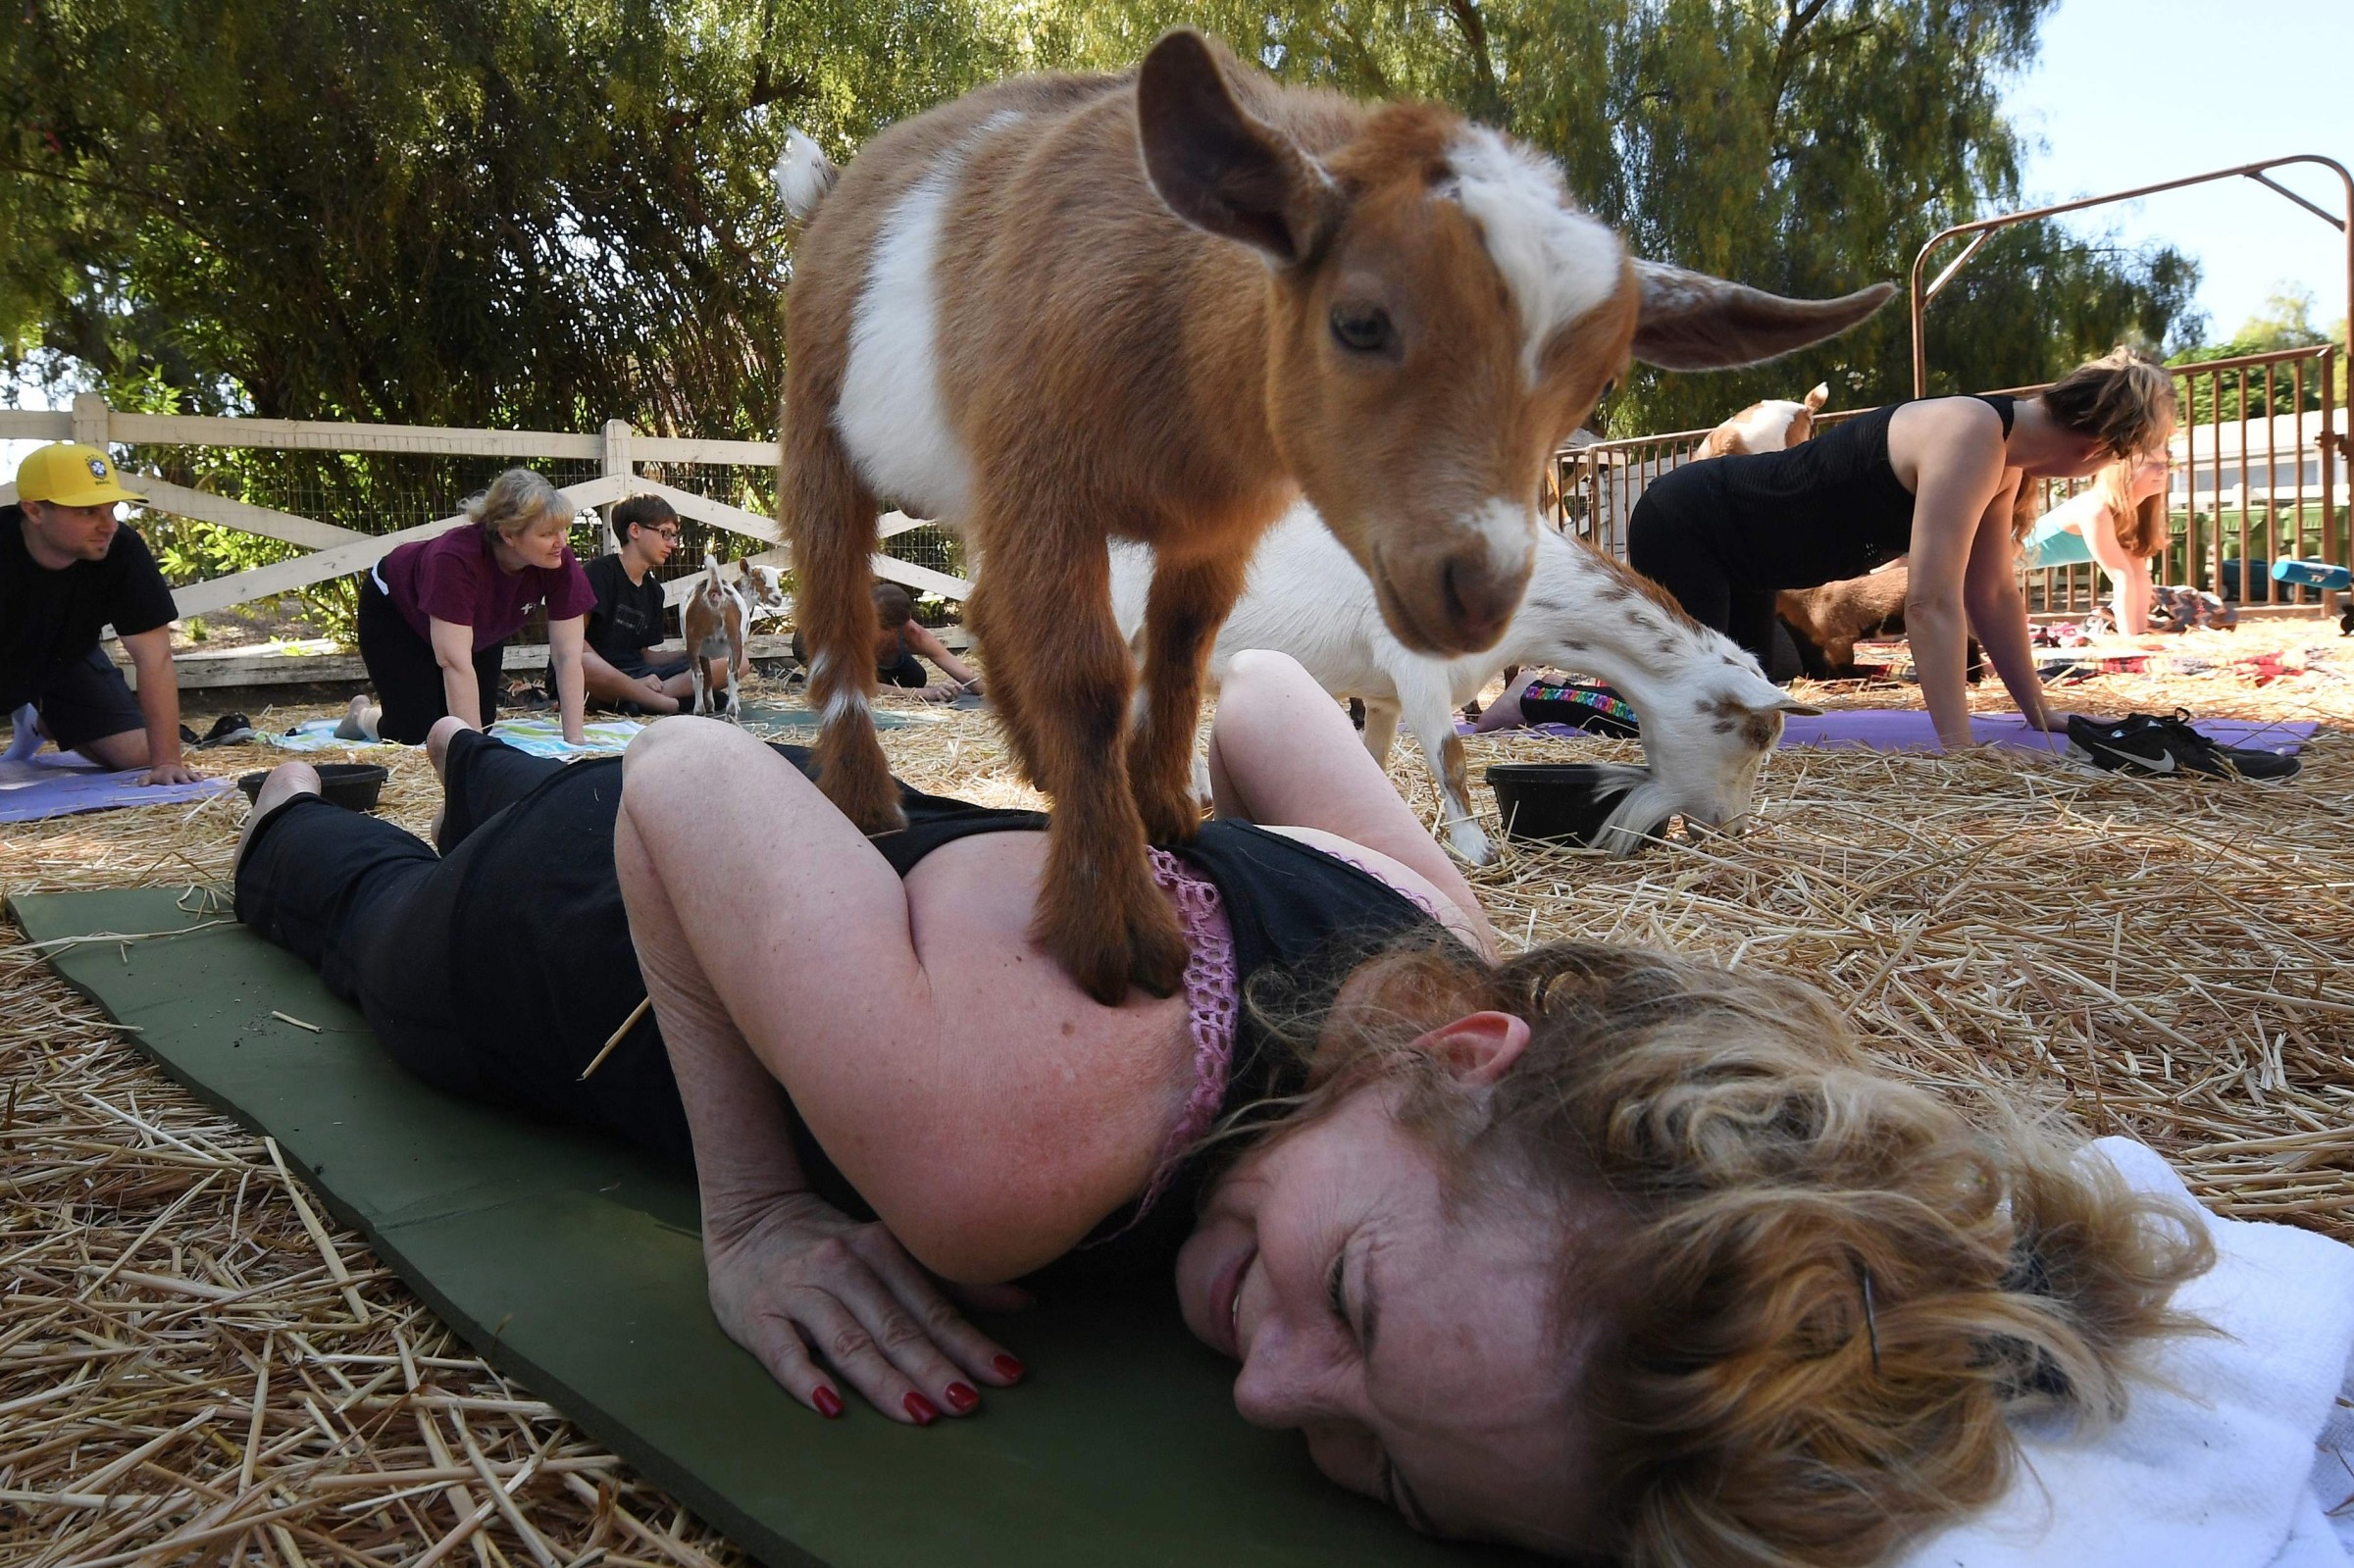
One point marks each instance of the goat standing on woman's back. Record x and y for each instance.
(1159, 306)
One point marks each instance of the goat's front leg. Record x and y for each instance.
(1059, 674)
(1190, 599)
(1426, 697)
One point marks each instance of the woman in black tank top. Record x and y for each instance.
(1931, 480)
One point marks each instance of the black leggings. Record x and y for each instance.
(1678, 552)
(438, 959)
(407, 677)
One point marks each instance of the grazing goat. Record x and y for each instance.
(1768, 427)
(1708, 715)
(1160, 306)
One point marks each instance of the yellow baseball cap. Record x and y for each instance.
(70, 473)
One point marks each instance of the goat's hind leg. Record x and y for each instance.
(1058, 677)
(832, 517)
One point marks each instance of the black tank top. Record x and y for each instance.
(1822, 511)
(1297, 913)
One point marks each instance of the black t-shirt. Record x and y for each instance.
(49, 620)
(628, 618)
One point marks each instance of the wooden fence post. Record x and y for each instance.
(617, 465)
(92, 418)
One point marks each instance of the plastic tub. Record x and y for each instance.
(1560, 802)
(353, 785)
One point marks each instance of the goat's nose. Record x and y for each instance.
(1480, 599)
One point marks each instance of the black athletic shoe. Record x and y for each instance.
(2142, 743)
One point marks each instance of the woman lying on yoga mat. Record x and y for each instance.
(1588, 1249)
(1932, 479)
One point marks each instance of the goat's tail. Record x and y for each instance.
(803, 174)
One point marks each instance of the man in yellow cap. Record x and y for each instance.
(68, 568)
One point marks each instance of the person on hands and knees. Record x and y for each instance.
(1934, 480)
(69, 569)
(436, 613)
(620, 665)
(899, 638)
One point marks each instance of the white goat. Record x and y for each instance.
(1709, 714)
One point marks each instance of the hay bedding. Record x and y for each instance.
(194, 1369)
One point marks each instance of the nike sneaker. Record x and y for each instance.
(2144, 743)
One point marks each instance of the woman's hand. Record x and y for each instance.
(803, 1276)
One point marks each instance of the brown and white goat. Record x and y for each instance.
(1160, 306)
(1773, 426)
(717, 623)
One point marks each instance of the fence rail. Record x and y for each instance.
(620, 457)
(2260, 475)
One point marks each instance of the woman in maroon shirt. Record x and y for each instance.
(436, 615)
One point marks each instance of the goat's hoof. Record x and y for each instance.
(1106, 956)
(1174, 818)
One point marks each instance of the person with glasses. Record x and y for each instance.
(622, 670)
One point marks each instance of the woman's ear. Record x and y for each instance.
(1480, 1047)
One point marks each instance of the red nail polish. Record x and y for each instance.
(963, 1399)
(828, 1402)
(1007, 1367)
(920, 1410)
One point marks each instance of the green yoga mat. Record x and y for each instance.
(573, 1264)
(793, 716)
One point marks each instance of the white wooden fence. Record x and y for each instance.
(335, 551)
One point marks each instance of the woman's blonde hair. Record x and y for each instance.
(2126, 399)
(515, 500)
(2140, 526)
(1824, 1290)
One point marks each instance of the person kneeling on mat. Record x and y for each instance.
(436, 613)
(68, 569)
(1545, 1249)
(1934, 480)
(898, 639)
(620, 665)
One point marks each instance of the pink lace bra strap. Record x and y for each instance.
(1212, 1001)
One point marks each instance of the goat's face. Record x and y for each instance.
(1705, 742)
(763, 590)
(1418, 384)
(1440, 316)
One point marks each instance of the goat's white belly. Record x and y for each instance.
(892, 416)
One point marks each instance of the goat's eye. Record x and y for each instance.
(1363, 330)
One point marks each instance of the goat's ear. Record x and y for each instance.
(1796, 709)
(1219, 167)
(1692, 321)
(1815, 398)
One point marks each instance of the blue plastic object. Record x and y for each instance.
(2314, 574)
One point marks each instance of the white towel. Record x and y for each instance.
(2245, 1460)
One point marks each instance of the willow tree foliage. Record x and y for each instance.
(549, 211)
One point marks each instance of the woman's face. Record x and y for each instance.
(2150, 472)
(541, 542)
(1419, 1349)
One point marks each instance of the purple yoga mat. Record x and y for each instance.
(1910, 729)
(54, 785)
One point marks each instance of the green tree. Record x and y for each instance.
(1810, 146)
(2284, 322)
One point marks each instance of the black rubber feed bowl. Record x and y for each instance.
(353, 785)
(1559, 802)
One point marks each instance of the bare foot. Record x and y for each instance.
(287, 780)
(359, 721)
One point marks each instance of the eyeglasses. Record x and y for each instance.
(672, 535)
